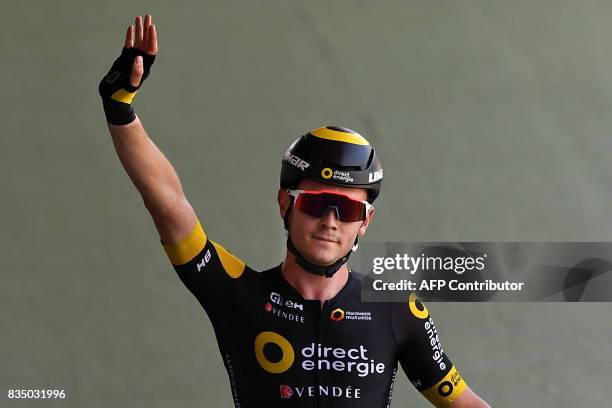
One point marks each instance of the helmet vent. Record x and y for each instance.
(341, 129)
(344, 168)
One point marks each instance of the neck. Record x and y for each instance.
(311, 286)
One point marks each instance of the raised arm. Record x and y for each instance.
(147, 167)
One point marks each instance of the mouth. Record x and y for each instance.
(325, 239)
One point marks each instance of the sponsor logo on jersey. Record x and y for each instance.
(330, 391)
(230, 371)
(296, 161)
(391, 383)
(285, 391)
(336, 315)
(292, 314)
(316, 356)
(417, 308)
(278, 299)
(434, 341)
(445, 389)
(349, 360)
(339, 314)
(283, 314)
(204, 261)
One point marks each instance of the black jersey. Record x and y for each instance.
(281, 350)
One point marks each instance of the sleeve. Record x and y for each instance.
(421, 354)
(206, 268)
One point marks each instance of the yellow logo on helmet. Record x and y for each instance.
(326, 173)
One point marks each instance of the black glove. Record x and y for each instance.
(115, 89)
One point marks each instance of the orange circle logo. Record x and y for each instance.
(337, 315)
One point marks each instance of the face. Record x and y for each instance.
(323, 240)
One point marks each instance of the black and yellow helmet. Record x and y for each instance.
(333, 155)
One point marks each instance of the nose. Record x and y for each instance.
(331, 216)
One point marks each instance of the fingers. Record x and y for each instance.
(142, 36)
(147, 24)
(152, 41)
(149, 36)
(129, 37)
(139, 33)
(137, 71)
(145, 36)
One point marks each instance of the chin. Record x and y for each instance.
(323, 257)
(319, 252)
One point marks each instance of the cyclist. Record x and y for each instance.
(297, 334)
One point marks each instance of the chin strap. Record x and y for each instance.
(319, 270)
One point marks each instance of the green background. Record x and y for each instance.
(491, 118)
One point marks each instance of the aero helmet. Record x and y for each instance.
(333, 155)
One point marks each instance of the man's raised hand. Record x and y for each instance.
(119, 87)
(144, 41)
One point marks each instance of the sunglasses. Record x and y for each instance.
(316, 203)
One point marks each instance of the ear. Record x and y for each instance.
(364, 225)
(284, 201)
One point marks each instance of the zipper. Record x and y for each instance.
(318, 315)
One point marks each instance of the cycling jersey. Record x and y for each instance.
(281, 350)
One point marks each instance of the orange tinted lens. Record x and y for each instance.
(317, 204)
